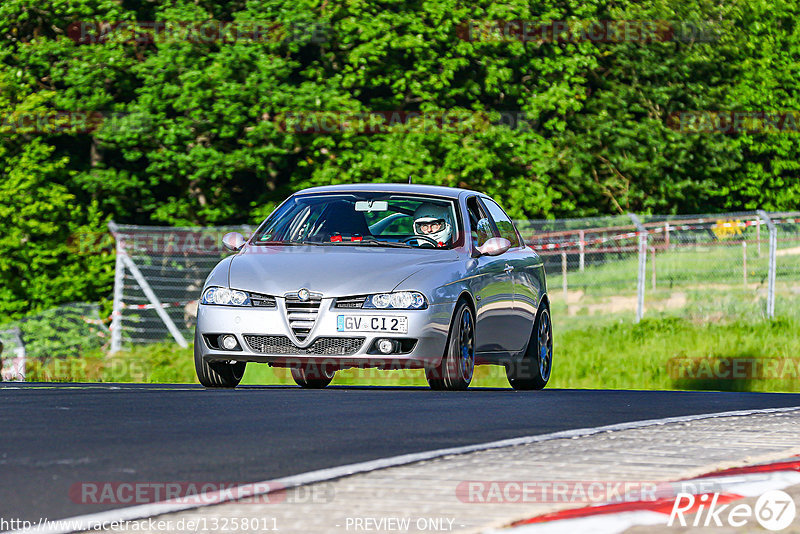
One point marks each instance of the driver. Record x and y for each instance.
(433, 222)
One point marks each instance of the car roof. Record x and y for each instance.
(437, 190)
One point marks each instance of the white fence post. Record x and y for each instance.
(642, 231)
(564, 275)
(119, 280)
(773, 249)
(154, 300)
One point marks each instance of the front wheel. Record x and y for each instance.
(532, 369)
(312, 376)
(218, 374)
(455, 370)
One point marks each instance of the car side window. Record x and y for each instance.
(503, 222)
(480, 227)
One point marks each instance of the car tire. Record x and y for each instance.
(312, 376)
(457, 366)
(218, 374)
(532, 370)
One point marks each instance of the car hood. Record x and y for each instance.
(332, 271)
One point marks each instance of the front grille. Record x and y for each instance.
(302, 315)
(350, 302)
(324, 346)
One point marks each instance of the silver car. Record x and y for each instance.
(391, 276)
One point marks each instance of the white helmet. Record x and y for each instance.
(435, 220)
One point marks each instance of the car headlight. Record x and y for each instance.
(223, 296)
(401, 300)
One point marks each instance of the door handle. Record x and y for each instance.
(508, 268)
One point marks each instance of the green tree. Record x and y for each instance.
(193, 129)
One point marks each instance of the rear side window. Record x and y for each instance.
(503, 222)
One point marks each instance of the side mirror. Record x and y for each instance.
(494, 246)
(233, 241)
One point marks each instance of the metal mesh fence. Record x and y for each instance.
(787, 260)
(707, 266)
(605, 268)
(590, 263)
(163, 267)
(698, 266)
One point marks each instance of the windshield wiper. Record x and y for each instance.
(371, 242)
(385, 243)
(284, 243)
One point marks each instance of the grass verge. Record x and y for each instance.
(658, 353)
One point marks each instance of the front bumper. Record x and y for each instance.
(429, 329)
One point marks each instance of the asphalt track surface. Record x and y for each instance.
(55, 436)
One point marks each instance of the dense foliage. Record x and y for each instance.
(194, 129)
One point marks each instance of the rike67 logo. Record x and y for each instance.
(774, 510)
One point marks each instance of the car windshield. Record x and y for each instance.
(363, 219)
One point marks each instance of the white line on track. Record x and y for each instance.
(95, 521)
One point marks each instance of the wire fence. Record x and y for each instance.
(699, 266)
(159, 275)
(621, 267)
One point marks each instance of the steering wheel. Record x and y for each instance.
(419, 239)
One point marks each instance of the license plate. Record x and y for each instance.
(372, 323)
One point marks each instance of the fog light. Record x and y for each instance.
(386, 346)
(229, 342)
